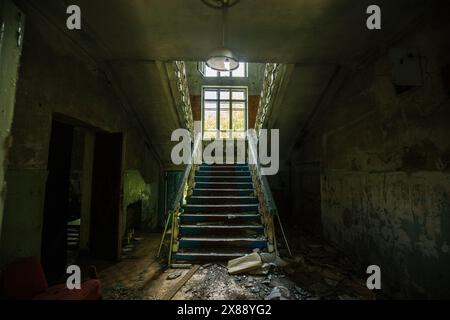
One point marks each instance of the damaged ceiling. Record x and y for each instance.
(130, 37)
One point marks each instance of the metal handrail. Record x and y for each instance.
(177, 201)
(267, 194)
(268, 197)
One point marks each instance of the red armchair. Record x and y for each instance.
(24, 279)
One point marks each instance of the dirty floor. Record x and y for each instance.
(316, 271)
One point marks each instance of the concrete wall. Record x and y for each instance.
(10, 52)
(56, 77)
(385, 170)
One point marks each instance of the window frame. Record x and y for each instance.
(217, 109)
(201, 67)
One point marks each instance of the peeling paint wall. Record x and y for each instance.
(136, 189)
(385, 171)
(56, 77)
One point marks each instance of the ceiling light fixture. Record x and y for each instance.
(222, 58)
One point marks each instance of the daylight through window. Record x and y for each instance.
(224, 112)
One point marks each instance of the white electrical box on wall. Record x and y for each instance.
(406, 67)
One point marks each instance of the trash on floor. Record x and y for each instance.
(250, 262)
(174, 275)
(256, 263)
(278, 293)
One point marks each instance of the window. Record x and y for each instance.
(240, 72)
(224, 112)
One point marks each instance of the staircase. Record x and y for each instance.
(220, 220)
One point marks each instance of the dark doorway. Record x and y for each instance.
(106, 196)
(56, 205)
(134, 216)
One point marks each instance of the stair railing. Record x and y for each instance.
(174, 209)
(267, 205)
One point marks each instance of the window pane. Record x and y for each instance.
(225, 119)
(224, 109)
(225, 73)
(240, 71)
(209, 134)
(238, 105)
(224, 134)
(238, 119)
(238, 95)
(210, 105)
(210, 120)
(210, 72)
(225, 95)
(209, 94)
(238, 134)
(224, 105)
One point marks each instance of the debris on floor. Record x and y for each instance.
(250, 262)
(278, 293)
(317, 271)
(120, 292)
(214, 282)
(325, 271)
(255, 263)
(174, 275)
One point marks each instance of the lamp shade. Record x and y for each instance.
(222, 59)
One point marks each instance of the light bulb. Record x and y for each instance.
(226, 64)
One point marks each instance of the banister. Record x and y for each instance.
(269, 207)
(268, 197)
(177, 201)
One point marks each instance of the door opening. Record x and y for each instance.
(106, 201)
(56, 205)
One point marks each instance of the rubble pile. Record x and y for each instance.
(315, 271)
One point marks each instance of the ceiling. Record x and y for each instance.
(131, 36)
(329, 31)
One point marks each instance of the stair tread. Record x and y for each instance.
(221, 214)
(223, 239)
(192, 253)
(220, 182)
(221, 226)
(223, 171)
(207, 189)
(221, 205)
(223, 197)
(223, 177)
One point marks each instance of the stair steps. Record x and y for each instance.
(228, 179)
(221, 219)
(223, 185)
(228, 218)
(222, 200)
(223, 192)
